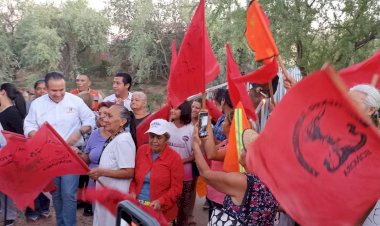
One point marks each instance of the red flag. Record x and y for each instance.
(196, 64)
(142, 137)
(362, 72)
(174, 56)
(213, 110)
(238, 91)
(263, 75)
(28, 165)
(324, 169)
(109, 198)
(258, 34)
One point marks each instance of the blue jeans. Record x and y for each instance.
(41, 205)
(64, 199)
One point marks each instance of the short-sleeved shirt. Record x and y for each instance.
(258, 207)
(127, 101)
(217, 130)
(94, 147)
(181, 141)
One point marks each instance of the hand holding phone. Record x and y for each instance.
(203, 121)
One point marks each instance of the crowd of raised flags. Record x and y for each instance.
(300, 138)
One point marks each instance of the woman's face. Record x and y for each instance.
(226, 124)
(175, 114)
(195, 109)
(157, 142)
(101, 115)
(112, 120)
(137, 102)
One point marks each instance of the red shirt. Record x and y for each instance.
(166, 176)
(94, 93)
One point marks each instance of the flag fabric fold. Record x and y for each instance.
(235, 143)
(323, 169)
(28, 165)
(110, 198)
(258, 34)
(237, 90)
(363, 72)
(196, 64)
(263, 75)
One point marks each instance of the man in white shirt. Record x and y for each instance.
(122, 83)
(71, 118)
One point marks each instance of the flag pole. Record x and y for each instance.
(283, 69)
(5, 208)
(374, 80)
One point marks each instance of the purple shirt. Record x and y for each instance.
(94, 147)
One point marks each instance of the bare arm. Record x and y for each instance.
(208, 144)
(125, 173)
(233, 184)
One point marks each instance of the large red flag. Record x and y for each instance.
(237, 90)
(109, 198)
(196, 64)
(263, 75)
(142, 137)
(318, 154)
(28, 165)
(258, 34)
(362, 72)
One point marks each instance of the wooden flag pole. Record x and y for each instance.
(284, 71)
(203, 100)
(374, 80)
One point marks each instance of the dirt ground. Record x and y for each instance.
(200, 217)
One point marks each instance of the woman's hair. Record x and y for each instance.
(199, 100)
(130, 117)
(230, 116)
(106, 104)
(222, 94)
(185, 116)
(38, 82)
(16, 96)
(87, 98)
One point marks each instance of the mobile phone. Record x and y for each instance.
(129, 214)
(203, 120)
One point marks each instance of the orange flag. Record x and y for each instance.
(235, 143)
(324, 168)
(258, 34)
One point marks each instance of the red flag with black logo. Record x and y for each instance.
(142, 137)
(237, 90)
(323, 165)
(196, 64)
(28, 165)
(362, 72)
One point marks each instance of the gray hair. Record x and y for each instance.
(142, 95)
(372, 95)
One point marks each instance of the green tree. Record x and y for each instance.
(51, 37)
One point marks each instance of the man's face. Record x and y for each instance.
(83, 83)
(40, 90)
(56, 89)
(137, 102)
(119, 88)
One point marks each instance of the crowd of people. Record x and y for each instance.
(162, 173)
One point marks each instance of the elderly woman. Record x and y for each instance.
(367, 100)
(248, 200)
(117, 160)
(139, 107)
(159, 172)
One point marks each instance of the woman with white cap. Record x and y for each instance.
(159, 172)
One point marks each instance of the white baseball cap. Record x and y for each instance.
(158, 127)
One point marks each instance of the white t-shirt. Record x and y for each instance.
(127, 101)
(181, 141)
(66, 116)
(119, 153)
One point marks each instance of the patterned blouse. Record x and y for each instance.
(258, 207)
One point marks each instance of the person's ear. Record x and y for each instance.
(371, 110)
